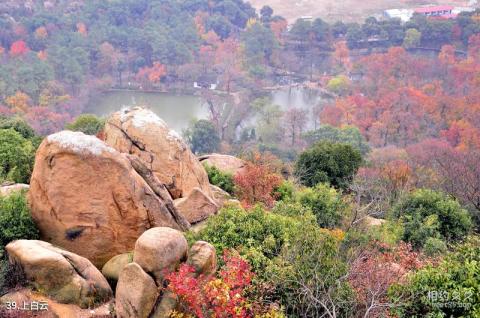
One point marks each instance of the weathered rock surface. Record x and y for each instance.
(197, 206)
(11, 188)
(160, 250)
(112, 269)
(371, 221)
(136, 293)
(220, 196)
(48, 308)
(142, 133)
(61, 275)
(86, 197)
(166, 306)
(224, 163)
(203, 257)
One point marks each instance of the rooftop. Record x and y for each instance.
(433, 9)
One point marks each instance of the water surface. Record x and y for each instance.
(176, 110)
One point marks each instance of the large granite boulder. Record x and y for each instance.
(225, 163)
(61, 275)
(136, 293)
(141, 132)
(159, 251)
(86, 197)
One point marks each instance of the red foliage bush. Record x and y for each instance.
(378, 268)
(256, 184)
(220, 297)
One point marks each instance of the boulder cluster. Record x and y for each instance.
(119, 205)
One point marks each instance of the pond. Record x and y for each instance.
(176, 110)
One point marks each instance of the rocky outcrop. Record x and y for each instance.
(159, 251)
(203, 258)
(87, 198)
(136, 293)
(141, 286)
(112, 269)
(197, 206)
(224, 163)
(61, 275)
(142, 133)
(6, 190)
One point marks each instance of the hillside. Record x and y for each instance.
(347, 10)
(323, 169)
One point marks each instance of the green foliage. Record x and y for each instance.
(16, 156)
(390, 232)
(346, 135)
(202, 137)
(222, 180)
(309, 270)
(285, 191)
(449, 289)
(412, 38)
(325, 203)
(434, 246)
(256, 234)
(339, 85)
(87, 123)
(17, 124)
(15, 220)
(327, 162)
(426, 213)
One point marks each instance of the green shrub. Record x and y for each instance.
(350, 135)
(87, 123)
(221, 179)
(17, 124)
(434, 246)
(202, 137)
(258, 235)
(285, 191)
(426, 213)
(16, 156)
(15, 220)
(310, 269)
(326, 204)
(449, 289)
(328, 162)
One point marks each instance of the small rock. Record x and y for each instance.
(219, 195)
(167, 305)
(224, 163)
(203, 257)
(9, 189)
(197, 206)
(160, 250)
(111, 270)
(136, 293)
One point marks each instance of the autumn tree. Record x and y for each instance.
(295, 120)
(19, 103)
(151, 75)
(18, 48)
(228, 61)
(255, 184)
